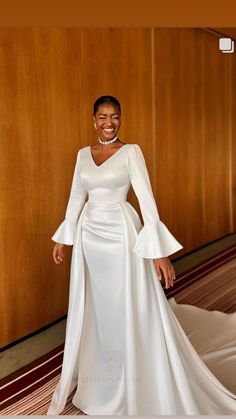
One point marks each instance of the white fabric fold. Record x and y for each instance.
(65, 233)
(155, 241)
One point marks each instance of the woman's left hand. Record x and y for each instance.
(164, 264)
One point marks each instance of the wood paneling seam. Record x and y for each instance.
(153, 109)
(231, 209)
(203, 142)
(82, 89)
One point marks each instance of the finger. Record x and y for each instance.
(60, 256)
(173, 279)
(166, 276)
(158, 271)
(173, 276)
(169, 277)
(56, 260)
(54, 255)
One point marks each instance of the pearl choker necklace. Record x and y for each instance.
(107, 142)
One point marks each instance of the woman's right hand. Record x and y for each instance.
(57, 253)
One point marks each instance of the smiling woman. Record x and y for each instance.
(124, 350)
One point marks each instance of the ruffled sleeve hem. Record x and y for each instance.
(65, 233)
(155, 241)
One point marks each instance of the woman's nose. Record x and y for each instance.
(109, 121)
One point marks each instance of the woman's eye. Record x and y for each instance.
(113, 117)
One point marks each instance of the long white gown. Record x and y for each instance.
(124, 349)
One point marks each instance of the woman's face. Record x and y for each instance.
(107, 120)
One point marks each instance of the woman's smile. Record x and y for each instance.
(108, 130)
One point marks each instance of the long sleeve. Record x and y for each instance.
(66, 230)
(154, 239)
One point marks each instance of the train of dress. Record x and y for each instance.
(213, 335)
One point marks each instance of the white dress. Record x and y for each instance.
(125, 350)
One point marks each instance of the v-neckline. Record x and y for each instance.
(109, 158)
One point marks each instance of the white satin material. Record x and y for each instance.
(125, 350)
(213, 335)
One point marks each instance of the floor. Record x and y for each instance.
(26, 351)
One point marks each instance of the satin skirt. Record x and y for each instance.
(101, 370)
(134, 357)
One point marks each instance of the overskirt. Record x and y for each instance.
(125, 348)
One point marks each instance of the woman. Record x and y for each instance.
(125, 349)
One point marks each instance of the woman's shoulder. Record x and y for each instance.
(83, 149)
(135, 153)
(134, 147)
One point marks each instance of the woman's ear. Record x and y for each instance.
(94, 123)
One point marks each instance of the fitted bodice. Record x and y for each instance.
(109, 182)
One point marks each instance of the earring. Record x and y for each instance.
(95, 126)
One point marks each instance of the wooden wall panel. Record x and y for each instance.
(40, 113)
(233, 139)
(217, 140)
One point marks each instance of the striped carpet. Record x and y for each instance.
(215, 291)
(28, 391)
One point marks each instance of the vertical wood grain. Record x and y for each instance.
(40, 133)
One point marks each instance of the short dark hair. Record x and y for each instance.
(105, 99)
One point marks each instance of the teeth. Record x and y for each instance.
(108, 129)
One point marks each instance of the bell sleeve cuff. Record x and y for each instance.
(65, 233)
(155, 241)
